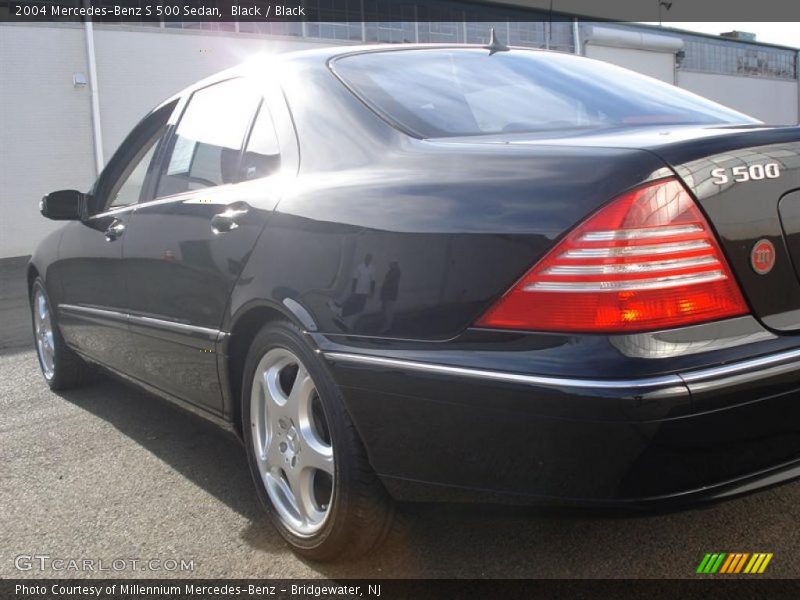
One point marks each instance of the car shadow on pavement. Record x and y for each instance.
(211, 458)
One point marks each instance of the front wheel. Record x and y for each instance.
(308, 463)
(61, 367)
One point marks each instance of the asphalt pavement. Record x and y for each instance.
(109, 473)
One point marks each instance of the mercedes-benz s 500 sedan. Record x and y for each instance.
(440, 273)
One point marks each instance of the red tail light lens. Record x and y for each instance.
(646, 261)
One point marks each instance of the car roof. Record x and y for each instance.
(329, 52)
(258, 64)
(326, 53)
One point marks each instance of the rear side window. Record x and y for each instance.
(460, 92)
(262, 154)
(207, 144)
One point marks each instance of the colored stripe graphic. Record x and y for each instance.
(740, 564)
(718, 564)
(734, 563)
(730, 565)
(714, 563)
(703, 563)
(756, 560)
(727, 564)
(711, 562)
(764, 564)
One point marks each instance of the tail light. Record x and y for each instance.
(648, 260)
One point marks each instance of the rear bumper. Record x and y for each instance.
(441, 432)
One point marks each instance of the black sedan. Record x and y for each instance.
(444, 273)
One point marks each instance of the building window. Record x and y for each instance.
(728, 57)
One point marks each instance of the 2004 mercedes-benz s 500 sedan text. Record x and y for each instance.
(440, 273)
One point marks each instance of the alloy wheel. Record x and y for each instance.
(43, 330)
(292, 442)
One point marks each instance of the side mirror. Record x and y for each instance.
(63, 205)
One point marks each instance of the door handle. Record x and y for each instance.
(227, 219)
(115, 231)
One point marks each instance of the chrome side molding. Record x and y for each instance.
(94, 312)
(182, 328)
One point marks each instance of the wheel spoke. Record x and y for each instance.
(317, 457)
(276, 398)
(293, 476)
(287, 493)
(302, 389)
(301, 482)
(272, 454)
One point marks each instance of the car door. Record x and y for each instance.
(185, 249)
(89, 273)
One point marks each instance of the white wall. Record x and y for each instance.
(45, 122)
(773, 101)
(660, 65)
(45, 128)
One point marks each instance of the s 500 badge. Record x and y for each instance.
(742, 173)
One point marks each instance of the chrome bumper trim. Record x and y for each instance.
(690, 377)
(538, 380)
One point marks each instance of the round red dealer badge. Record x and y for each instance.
(762, 258)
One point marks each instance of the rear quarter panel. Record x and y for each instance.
(462, 225)
(462, 221)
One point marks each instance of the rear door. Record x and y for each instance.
(185, 248)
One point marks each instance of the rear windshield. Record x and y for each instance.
(460, 92)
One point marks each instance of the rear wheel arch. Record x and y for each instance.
(243, 331)
(359, 510)
(32, 274)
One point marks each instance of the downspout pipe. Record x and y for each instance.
(97, 130)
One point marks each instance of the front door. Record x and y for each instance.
(185, 249)
(89, 274)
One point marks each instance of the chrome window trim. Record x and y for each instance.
(118, 210)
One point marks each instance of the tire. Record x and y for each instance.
(309, 466)
(61, 367)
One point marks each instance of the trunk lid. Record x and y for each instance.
(746, 180)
